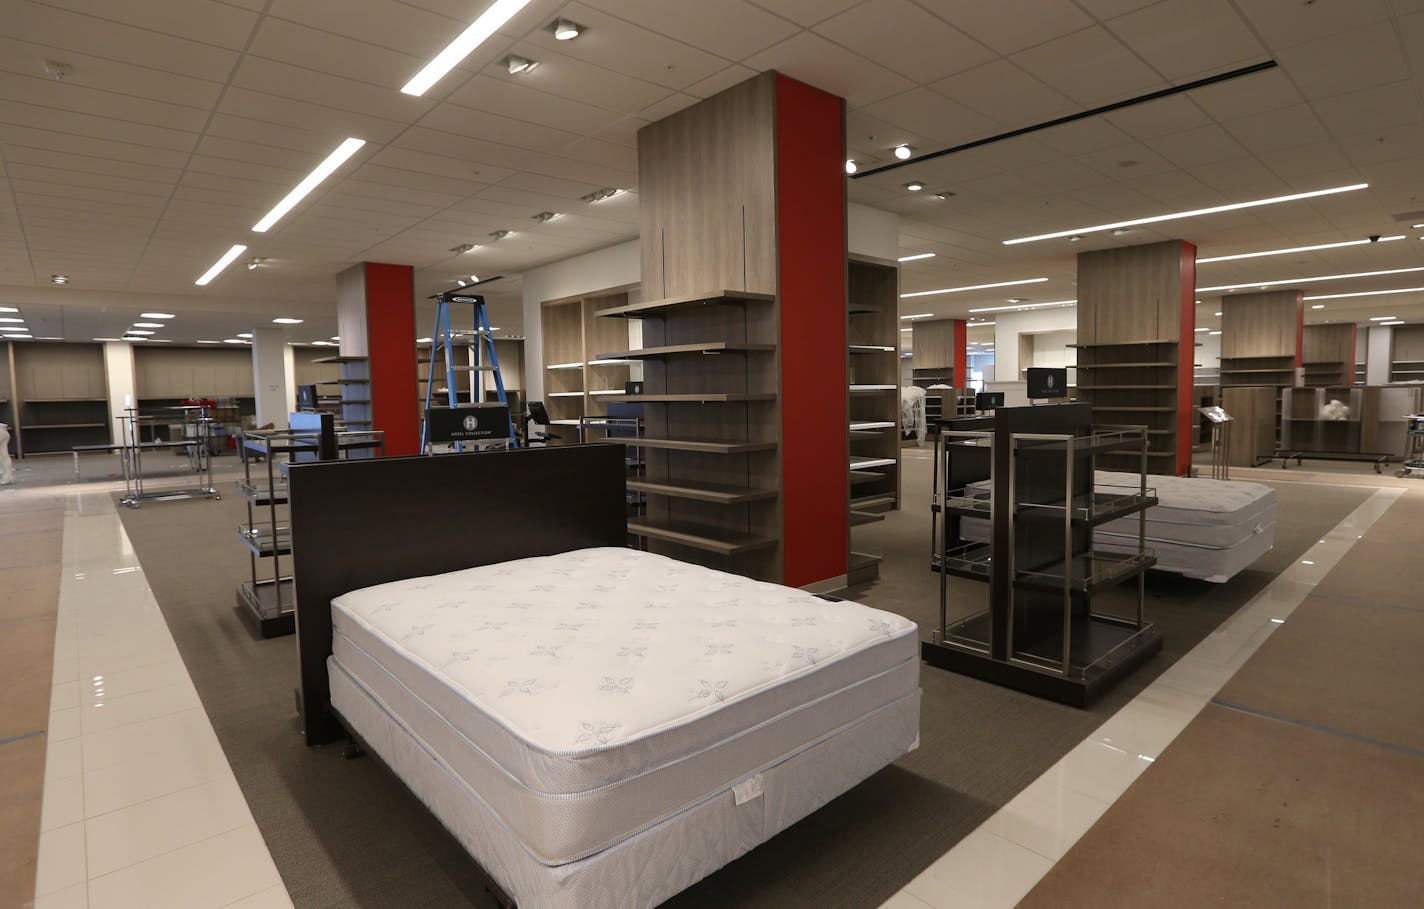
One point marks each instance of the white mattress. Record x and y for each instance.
(590, 695)
(650, 867)
(1200, 528)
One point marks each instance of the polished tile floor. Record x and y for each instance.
(141, 808)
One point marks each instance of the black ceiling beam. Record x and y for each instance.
(1073, 118)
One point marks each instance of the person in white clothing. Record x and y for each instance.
(7, 471)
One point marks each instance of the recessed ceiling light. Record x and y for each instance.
(1393, 323)
(156, 315)
(59, 279)
(284, 320)
(851, 166)
(1318, 306)
(519, 65)
(919, 315)
(1197, 212)
(138, 331)
(1365, 293)
(500, 12)
(233, 341)
(244, 335)
(310, 182)
(544, 216)
(336, 337)
(1359, 274)
(501, 234)
(956, 290)
(1200, 330)
(423, 341)
(149, 325)
(1383, 318)
(324, 343)
(566, 30)
(1296, 249)
(1218, 314)
(1212, 333)
(220, 264)
(460, 281)
(916, 257)
(914, 186)
(475, 279)
(20, 337)
(254, 262)
(1025, 306)
(1416, 226)
(1017, 300)
(1074, 239)
(907, 329)
(903, 152)
(134, 338)
(943, 196)
(1121, 231)
(601, 195)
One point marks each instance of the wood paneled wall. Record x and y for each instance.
(1263, 324)
(1130, 295)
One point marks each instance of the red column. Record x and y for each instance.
(390, 345)
(1186, 360)
(961, 353)
(811, 241)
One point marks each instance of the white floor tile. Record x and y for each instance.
(185, 733)
(64, 695)
(150, 829)
(1099, 770)
(63, 759)
(61, 859)
(276, 898)
(63, 803)
(122, 785)
(100, 712)
(76, 897)
(66, 670)
(206, 875)
(1046, 818)
(124, 682)
(982, 870)
(63, 724)
(1148, 723)
(904, 900)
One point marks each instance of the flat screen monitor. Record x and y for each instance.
(1046, 382)
(538, 414)
(989, 400)
(306, 397)
(471, 423)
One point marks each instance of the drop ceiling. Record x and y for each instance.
(181, 122)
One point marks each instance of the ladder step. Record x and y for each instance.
(473, 368)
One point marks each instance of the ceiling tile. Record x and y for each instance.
(1008, 26)
(732, 29)
(82, 145)
(934, 116)
(1083, 136)
(1007, 94)
(832, 68)
(206, 21)
(806, 12)
(1246, 95)
(1371, 110)
(111, 77)
(581, 81)
(628, 49)
(1159, 118)
(1346, 62)
(906, 39)
(735, 74)
(94, 127)
(241, 102)
(397, 26)
(1089, 66)
(449, 118)
(283, 80)
(1107, 9)
(1285, 23)
(1202, 145)
(1216, 35)
(505, 95)
(1283, 128)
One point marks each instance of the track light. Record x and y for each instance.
(601, 195)
(566, 29)
(546, 216)
(903, 152)
(254, 262)
(519, 65)
(914, 186)
(464, 248)
(501, 234)
(851, 166)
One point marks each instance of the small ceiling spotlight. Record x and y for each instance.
(903, 152)
(519, 65)
(464, 248)
(942, 196)
(254, 262)
(1122, 232)
(914, 186)
(501, 234)
(460, 281)
(1018, 299)
(851, 166)
(59, 279)
(566, 29)
(546, 216)
(600, 195)
(474, 279)
(1075, 239)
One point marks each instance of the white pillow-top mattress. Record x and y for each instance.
(586, 696)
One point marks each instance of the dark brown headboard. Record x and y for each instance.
(359, 523)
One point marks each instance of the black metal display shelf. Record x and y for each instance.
(1092, 509)
(273, 613)
(264, 541)
(1089, 573)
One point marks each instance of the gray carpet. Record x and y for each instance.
(343, 833)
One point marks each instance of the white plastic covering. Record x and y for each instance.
(912, 411)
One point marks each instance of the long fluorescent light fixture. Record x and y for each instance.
(1367, 293)
(917, 257)
(960, 290)
(1194, 213)
(1023, 306)
(220, 264)
(479, 31)
(1359, 274)
(920, 315)
(1298, 249)
(323, 170)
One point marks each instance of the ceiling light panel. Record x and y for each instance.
(310, 182)
(1265, 284)
(958, 290)
(1298, 249)
(1193, 213)
(1023, 306)
(155, 315)
(218, 266)
(1366, 293)
(479, 31)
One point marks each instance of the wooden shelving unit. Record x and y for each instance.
(873, 404)
(1406, 358)
(1259, 342)
(709, 373)
(354, 410)
(1328, 355)
(580, 378)
(59, 397)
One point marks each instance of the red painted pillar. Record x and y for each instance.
(375, 307)
(961, 353)
(811, 248)
(1186, 360)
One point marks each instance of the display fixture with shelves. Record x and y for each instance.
(585, 364)
(873, 406)
(1026, 477)
(1328, 355)
(1406, 360)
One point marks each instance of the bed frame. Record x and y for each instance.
(365, 522)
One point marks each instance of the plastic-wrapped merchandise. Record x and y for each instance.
(7, 470)
(912, 412)
(1336, 411)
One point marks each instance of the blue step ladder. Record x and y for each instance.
(442, 351)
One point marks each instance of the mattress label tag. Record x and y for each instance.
(747, 789)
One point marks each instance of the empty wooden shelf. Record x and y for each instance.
(686, 350)
(670, 304)
(706, 446)
(701, 398)
(697, 536)
(703, 491)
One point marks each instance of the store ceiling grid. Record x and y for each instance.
(182, 121)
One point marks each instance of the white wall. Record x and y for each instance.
(872, 232)
(1009, 325)
(1377, 366)
(269, 375)
(119, 374)
(610, 267)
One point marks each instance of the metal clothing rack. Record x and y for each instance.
(1413, 466)
(1029, 472)
(196, 428)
